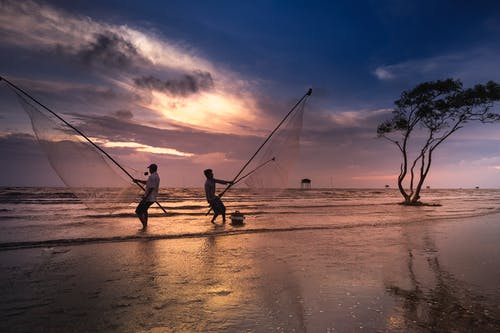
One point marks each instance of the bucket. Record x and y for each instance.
(237, 218)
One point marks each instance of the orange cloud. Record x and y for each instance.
(146, 148)
(210, 111)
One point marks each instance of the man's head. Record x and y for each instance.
(208, 173)
(152, 168)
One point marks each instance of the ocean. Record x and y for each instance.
(320, 260)
(46, 216)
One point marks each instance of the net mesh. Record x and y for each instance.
(81, 167)
(284, 147)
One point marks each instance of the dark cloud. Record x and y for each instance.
(123, 114)
(186, 85)
(109, 50)
(66, 96)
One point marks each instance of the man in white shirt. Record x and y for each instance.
(150, 194)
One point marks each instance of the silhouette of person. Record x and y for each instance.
(214, 200)
(150, 194)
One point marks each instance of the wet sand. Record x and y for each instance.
(440, 276)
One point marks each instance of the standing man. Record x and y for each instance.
(150, 194)
(214, 200)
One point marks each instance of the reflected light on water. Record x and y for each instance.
(395, 322)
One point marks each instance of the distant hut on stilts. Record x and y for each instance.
(305, 184)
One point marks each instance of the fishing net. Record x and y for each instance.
(278, 156)
(86, 171)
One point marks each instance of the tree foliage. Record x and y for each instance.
(437, 109)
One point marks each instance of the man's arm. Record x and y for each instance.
(148, 190)
(223, 182)
(140, 181)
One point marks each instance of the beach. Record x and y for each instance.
(395, 274)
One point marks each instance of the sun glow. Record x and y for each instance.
(209, 111)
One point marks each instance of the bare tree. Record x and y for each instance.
(437, 109)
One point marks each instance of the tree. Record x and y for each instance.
(435, 110)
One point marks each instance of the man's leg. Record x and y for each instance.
(142, 213)
(144, 219)
(223, 213)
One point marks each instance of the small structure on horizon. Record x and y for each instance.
(305, 184)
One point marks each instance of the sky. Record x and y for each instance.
(191, 85)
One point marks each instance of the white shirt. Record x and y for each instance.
(153, 182)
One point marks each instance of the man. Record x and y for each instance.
(214, 200)
(150, 194)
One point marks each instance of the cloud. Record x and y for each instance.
(412, 68)
(123, 114)
(184, 86)
(165, 79)
(383, 73)
(109, 49)
(147, 148)
(359, 118)
(475, 65)
(211, 158)
(184, 140)
(35, 26)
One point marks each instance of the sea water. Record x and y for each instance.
(42, 216)
(321, 260)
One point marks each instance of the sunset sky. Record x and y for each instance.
(192, 85)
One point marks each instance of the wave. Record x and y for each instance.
(235, 231)
(138, 237)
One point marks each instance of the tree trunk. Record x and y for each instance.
(403, 172)
(402, 191)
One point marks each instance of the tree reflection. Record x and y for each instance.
(437, 301)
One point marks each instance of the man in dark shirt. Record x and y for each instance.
(214, 200)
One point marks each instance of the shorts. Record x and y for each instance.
(143, 206)
(218, 206)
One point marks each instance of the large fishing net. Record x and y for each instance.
(85, 170)
(279, 154)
